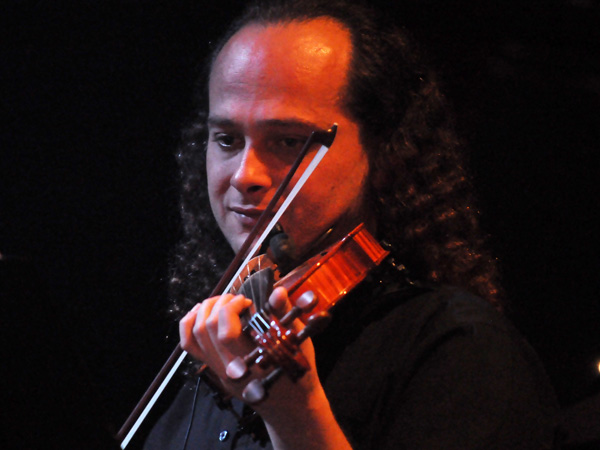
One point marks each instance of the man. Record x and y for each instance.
(406, 362)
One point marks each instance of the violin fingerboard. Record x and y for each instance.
(257, 287)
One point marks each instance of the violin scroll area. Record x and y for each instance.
(278, 348)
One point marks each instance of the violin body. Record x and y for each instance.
(313, 288)
(333, 273)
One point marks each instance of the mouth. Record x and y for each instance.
(247, 216)
(247, 211)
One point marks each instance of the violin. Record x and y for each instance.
(314, 287)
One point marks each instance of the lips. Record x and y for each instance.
(247, 216)
(247, 211)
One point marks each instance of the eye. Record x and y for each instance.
(227, 141)
(291, 144)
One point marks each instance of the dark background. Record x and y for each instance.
(92, 98)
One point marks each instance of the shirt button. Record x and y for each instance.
(223, 435)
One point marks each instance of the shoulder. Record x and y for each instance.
(442, 367)
(413, 320)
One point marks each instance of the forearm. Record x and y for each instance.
(308, 426)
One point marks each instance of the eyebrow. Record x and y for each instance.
(291, 123)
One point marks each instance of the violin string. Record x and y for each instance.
(253, 296)
(260, 319)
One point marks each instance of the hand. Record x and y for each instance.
(297, 414)
(212, 333)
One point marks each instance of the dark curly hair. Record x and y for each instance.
(418, 183)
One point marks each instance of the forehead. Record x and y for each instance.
(305, 59)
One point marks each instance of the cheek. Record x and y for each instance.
(216, 185)
(336, 195)
(349, 179)
(216, 175)
(349, 190)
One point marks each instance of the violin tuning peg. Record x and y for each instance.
(236, 369)
(290, 316)
(314, 325)
(307, 301)
(254, 392)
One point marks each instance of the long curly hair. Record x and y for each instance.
(418, 183)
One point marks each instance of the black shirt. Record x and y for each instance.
(403, 368)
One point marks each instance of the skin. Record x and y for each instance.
(269, 88)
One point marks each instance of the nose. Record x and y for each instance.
(251, 177)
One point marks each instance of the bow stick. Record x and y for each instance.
(165, 374)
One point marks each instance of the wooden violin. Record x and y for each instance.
(313, 288)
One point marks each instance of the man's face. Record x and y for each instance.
(269, 88)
